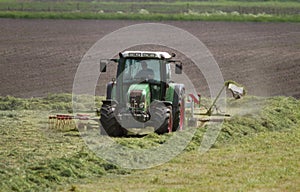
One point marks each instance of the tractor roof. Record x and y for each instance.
(150, 54)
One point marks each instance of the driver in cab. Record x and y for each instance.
(145, 72)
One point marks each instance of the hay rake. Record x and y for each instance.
(60, 121)
(199, 113)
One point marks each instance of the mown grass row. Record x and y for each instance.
(53, 102)
(47, 175)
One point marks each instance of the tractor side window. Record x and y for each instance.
(168, 70)
(127, 71)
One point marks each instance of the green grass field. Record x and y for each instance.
(152, 10)
(256, 150)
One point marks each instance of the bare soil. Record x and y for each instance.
(38, 57)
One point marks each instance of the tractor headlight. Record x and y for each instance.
(142, 105)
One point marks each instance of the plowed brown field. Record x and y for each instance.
(38, 57)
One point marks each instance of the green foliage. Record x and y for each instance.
(281, 11)
(151, 17)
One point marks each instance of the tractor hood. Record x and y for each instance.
(138, 97)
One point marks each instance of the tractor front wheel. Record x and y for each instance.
(162, 120)
(110, 125)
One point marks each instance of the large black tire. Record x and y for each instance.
(179, 111)
(162, 120)
(110, 125)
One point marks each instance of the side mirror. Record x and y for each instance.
(178, 68)
(103, 63)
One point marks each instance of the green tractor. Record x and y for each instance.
(143, 94)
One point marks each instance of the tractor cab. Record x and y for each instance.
(142, 69)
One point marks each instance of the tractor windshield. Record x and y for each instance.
(136, 69)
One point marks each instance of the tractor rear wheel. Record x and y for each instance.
(179, 112)
(110, 125)
(162, 120)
